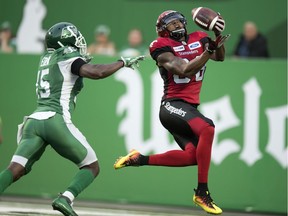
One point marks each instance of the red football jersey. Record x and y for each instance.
(175, 86)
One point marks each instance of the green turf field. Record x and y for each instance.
(15, 206)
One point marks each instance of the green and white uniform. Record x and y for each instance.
(50, 124)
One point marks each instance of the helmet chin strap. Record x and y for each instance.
(178, 34)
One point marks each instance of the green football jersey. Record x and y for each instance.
(56, 86)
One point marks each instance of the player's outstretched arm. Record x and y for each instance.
(179, 66)
(100, 71)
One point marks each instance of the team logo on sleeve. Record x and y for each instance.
(194, 45)
(179, 48)
(45, 60)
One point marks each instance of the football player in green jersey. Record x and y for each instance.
(62, 68)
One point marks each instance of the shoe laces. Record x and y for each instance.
(206, 198)
(133, 160)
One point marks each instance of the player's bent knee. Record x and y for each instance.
(207, 135)
(208, 131)
(191, 155)
(94, 167)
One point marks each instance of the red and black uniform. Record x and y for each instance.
(178, 112)
(175, 86)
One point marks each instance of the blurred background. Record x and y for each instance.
(246, 96)
(123, 15)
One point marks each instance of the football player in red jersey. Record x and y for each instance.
(182, 58)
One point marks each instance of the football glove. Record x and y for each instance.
(219, 25)
(211, 46)
(132, 62)
(220, 40)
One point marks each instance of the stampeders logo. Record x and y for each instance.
(174, 110)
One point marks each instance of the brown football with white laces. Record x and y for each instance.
(205, 18)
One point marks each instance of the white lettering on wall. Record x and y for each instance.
(251, 153)
(276, 147)
(224, 118)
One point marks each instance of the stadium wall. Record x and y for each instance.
(246, 99)
(122, 15)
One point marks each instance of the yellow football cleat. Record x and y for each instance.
(131, 159)
(206, 202)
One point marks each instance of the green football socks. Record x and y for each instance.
(6, 178)
(82, 180)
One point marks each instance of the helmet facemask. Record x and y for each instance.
(81, 44)
(178, 33)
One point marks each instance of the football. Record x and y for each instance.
(204, 17)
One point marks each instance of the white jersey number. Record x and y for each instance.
(198, 77)
(42, 85)
(200, 74)
(178, 79)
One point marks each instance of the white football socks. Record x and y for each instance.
(69, 195)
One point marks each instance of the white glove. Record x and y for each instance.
(219, 24)
(133, 61)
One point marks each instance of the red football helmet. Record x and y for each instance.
(164, 19)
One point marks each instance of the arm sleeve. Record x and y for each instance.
(76, 65)
(156, 52)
